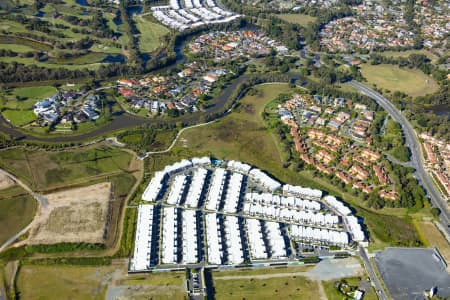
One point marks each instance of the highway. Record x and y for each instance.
(412, 141)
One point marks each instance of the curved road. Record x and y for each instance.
(413, 143)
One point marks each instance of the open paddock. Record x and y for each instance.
(43, 170)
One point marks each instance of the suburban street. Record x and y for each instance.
(411, 140)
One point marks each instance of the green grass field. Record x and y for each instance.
(16, 47)
(44, 170)
(25, 98)
(19, 117)
(17, 210)
(150, 34)
(407, 53)
(90, 58)
(63, 282)
(292, 287)
(31, 61)
(36, 93)
(300, 19)
(410, 81)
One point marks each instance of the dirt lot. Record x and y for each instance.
(76, 215)
(5, 182)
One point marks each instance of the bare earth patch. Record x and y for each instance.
(73, 216)
(5, 181)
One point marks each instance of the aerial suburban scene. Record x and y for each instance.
(225, 149)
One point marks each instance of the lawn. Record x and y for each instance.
(292, 287)
(63, 282)
(435, 238)
(36, 92)
(44, 170)
(151, 33)
(19, 117)
(17, 210)
(300, 19)
(410, 81)
(16, 47)
(407, 53)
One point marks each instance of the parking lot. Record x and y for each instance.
(408, 272)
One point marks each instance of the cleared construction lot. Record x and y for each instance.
(75, 215)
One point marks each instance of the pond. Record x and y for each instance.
(40, 14)
(119, 58)
(134, 10)
(82, 2)
(440, 110)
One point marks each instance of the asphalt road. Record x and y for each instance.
(412, 142)
(373, 277)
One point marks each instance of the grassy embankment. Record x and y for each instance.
(410, 81)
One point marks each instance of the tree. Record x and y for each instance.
(435, 212)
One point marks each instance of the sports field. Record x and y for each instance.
(410, 81)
